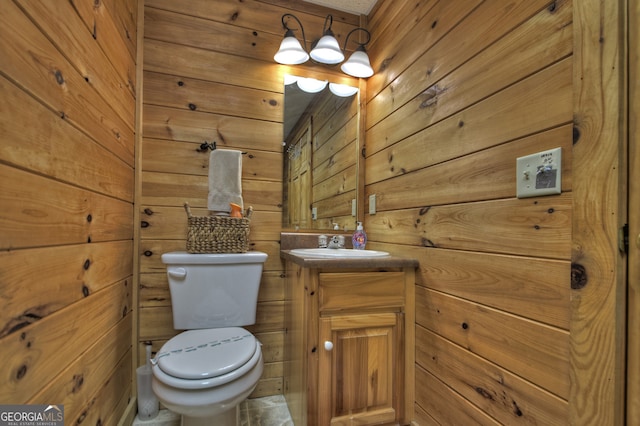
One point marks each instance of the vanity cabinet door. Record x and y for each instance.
(360, 369)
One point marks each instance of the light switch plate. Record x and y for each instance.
(372, 204)
(539, 174)
(354, 210)
(314, 213)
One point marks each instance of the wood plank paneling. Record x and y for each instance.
(430, 21)
(38, 67)
(72, 272)
(458, 95)
(599, 267)
(483, 175)
(67, 186)
(31, 141)
(508, 283)
(212, 97)
(474, 226)
(633, 302)
(194, 126)
(430, 61)
(91, 370)
(209, 76)
(210, 35)
(112, 74)
(537, 103)
(533, 351)
(504, 395)
(188, 158)
(43, 350)
(32, 217)
(170, 58)
(443, 406)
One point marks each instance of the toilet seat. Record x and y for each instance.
(205, 358)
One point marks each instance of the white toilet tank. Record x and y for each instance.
(213, 290)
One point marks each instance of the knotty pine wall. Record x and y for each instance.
(462, 89)
(67, 83)
(209, 75)
(489, 81)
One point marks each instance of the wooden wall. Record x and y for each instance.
(464, 90)
(67, 84)
(209, 75)
(519, 302)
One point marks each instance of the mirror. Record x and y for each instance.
(321, 156)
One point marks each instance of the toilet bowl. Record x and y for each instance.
(205, 374)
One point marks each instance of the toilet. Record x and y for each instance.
(205, 372)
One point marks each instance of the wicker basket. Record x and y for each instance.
(217, 234)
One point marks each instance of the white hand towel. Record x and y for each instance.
(225, 179)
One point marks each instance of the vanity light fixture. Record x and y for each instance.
(358, 64)
(326, 50)
(291, 51)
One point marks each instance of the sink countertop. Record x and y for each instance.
(368, 262)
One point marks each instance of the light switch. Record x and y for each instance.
(372, 204)
(539, 174)
(354, 210)
(314, 213)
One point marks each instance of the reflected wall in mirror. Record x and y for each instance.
(320, 157)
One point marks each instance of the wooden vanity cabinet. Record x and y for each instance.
(346, 334)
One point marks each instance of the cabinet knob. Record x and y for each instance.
(328, 345)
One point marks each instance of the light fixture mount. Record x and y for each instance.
(325, 51)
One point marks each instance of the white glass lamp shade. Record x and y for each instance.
(327, 51)
(290, 79)
(358, 64)
(311, 85)
(291, 52)
(342, 90)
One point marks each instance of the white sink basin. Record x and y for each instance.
(327, 253)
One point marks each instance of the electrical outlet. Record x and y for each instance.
(372, 204)
(539, 174)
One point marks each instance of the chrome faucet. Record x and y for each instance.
(336, 242)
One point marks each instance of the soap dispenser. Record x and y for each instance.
(359, 239)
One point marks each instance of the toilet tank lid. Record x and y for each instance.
(184, 258)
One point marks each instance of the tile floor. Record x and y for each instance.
(267, 411)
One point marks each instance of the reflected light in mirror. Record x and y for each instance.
(342, 90)
(311, 85)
